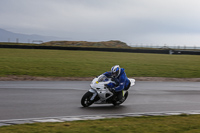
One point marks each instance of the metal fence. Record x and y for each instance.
(165, 46)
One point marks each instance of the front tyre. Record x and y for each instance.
(85, 101)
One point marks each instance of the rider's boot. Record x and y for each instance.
(120, 101)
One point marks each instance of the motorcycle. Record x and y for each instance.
(100, 93)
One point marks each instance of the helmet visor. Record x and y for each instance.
(115, 74)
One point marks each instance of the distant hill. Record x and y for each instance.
(112, 43)
(7, 36)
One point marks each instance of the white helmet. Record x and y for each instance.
(115, 71)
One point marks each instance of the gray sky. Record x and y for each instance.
(155, 22)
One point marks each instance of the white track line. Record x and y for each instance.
(93, 117)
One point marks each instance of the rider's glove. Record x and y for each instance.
(112, 79)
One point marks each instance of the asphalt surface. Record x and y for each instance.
(35, 99)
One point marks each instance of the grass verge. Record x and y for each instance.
(64, 63)
(153, 124)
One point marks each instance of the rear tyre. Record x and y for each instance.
(85, 101)
(117, 103)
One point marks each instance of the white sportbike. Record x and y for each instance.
(101, 94)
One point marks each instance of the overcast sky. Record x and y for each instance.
(153, 22)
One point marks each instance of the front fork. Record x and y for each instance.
(94, 94)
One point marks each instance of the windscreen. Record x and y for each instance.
(102, 78)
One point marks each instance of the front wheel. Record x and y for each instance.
(85, 101)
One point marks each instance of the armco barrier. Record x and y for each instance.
(186, 52)
(104, 49)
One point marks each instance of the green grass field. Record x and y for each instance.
(154, 124)
(64, 63)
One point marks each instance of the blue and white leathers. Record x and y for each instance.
(122, 80)
(100, 92)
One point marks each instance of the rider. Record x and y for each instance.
(122, 82)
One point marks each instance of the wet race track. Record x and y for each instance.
(35, 99)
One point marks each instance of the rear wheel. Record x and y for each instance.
(116, 103)
(85, 101)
